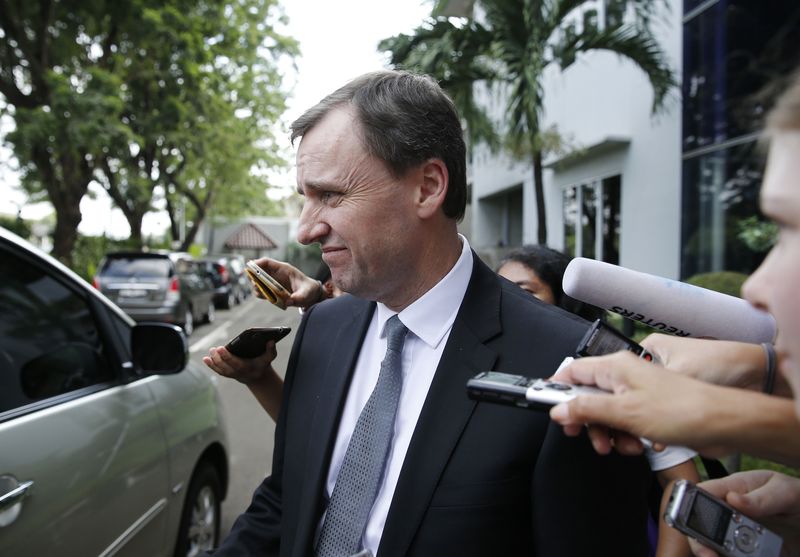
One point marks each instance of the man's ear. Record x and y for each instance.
(432, 189)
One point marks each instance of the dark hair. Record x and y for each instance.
(405, 119)
(550, 265)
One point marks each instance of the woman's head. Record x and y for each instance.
(773, 286)
(540, 270)
(537, 269)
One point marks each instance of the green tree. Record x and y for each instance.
(65, 107)
(140, 95)
(17, 225)
(203, 93)
(510, 47)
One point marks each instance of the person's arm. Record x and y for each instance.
(257, 373)
(722, 362)
(668, 408)
(768, 497)
(671, 542)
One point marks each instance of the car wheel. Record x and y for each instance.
(230, 301)
(201, 516)
(188, 322)
(210, 312)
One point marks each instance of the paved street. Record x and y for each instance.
(250, 430)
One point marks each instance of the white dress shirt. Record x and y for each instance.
(429, 321)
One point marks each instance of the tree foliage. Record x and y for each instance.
(172, 98)
(508, 49)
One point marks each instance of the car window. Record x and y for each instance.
(49, 342)
(139, 267)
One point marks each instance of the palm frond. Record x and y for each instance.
(628, 42)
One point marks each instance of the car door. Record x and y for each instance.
(82, 465)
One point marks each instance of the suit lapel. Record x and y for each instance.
(446, 411)
(327, 409)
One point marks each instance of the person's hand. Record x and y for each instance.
(644, 401)
(245, 370)
(768, 497)
(722, 362)
(305, 291)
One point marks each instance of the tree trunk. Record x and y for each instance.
(538, 188)
(68, 217)
(201, 209)
(126, 200)
(65, 189)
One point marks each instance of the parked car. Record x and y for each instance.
(231, 285)
(112, 443)
(158, 286)
(230, 280)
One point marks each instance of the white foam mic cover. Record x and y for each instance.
(667, 305)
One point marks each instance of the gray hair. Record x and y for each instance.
(405, 119)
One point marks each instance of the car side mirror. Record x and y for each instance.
(158, 348)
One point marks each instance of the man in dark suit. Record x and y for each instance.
(381, 164)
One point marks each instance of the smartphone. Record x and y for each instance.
(252, 342)
(603, 339)
(270, 288)
(524, 392)
(714, 523)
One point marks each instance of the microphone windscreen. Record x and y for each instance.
(667, 305)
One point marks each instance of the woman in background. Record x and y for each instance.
(540, 271)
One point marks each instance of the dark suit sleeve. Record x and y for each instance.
(588, 504)
(258, 530)
(582, 503)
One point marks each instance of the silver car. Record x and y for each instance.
(158, 286)
(110, 442)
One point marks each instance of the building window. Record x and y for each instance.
(737, 57)
(592, 219)
(720, 193)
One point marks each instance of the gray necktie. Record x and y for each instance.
(365, 459)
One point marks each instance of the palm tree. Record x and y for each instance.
(511, 46)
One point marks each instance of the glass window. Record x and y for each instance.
(140, 267)
(49, 342)
(720, 192)
(611, 188)
(689, 5)
(735, 54)
(570, 220)
(588, 221)
(586, 203)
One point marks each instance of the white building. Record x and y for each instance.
(662, 194)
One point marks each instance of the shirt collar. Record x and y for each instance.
(431, 316)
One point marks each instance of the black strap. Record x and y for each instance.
(714, 468)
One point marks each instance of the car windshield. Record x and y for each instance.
(148, 267)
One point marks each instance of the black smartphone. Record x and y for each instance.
(252, 342)
(603, 339)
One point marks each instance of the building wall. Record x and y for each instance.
(601, 104)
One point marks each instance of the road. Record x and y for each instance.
(250, 430)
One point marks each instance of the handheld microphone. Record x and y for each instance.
(668, 305)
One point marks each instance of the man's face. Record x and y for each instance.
(362, 216)
(773, 286)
